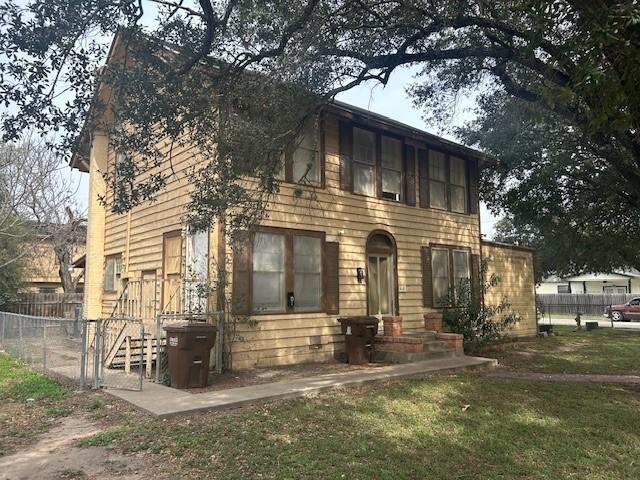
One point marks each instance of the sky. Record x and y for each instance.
(391, 100)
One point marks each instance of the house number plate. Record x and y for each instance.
(173, 341)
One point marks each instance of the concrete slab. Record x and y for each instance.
(162, 401)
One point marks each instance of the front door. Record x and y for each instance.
(380, 285)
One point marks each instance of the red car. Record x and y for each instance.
(625, 312)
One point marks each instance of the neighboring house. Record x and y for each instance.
(393, 226)
(627, 281)
(41, 270)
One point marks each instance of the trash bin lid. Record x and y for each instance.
(359, 320)
(199, 327)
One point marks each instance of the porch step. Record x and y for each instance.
(414, 347)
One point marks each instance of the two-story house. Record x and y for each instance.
(394, 225)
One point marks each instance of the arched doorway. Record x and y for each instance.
(382, 296)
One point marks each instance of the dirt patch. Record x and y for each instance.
(259, 376)
(55, 456)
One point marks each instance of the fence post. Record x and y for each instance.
(158, 348)
(140, 362)
(4, 323)
(220, 342)
(44, 345)
(83, 354)
(97, 356)
(20, 337)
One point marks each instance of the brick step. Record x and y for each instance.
(404, 357)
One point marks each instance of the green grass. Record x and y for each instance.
(600, 351)
(18, 383)
(410, 429)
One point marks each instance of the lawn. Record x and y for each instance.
(453, 427)
(30, 404)
(600, 351)
(462, 426)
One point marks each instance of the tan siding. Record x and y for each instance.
(344, 217)
(515, 269)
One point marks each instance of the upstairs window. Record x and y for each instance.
(391, 159)
(301, 161)
(437, 180)
(112, 272)
(458, 187)
(364, 162)
(305, 162)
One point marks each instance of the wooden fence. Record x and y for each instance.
(61, 305)
(585, 303)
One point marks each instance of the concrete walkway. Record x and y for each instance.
(162, 401)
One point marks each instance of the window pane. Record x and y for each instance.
(364, 146)
(109, 273)
(391, 153)
(460, 264)
(307, 253)
(458, 199)
(363, 176)
(307, 265)
(268, 272)
(308, 290)
(458, 171)
(391, 184)
(268, 291)
(440, 276)
(384, 285)
(305, 160)
(437, 164)
(437, 198)
(460, 271)
(374, 301)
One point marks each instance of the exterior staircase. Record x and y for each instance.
(394, 346)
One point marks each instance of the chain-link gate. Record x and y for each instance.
(160, 341)
(121, 352)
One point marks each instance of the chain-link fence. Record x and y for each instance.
(160, 340)
(55, 346)
(122, 351)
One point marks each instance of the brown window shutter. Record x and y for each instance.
(346, 153)
(475, 277)
(473, 186)
(423, 172)
(241, 277)
(332, 278)
(427, 285)
(410, 175)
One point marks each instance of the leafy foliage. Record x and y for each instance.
(560, 196)
(236, 80)
(479, 322)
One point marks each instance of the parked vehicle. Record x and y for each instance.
(625, 312)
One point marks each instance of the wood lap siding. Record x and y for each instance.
(332, 277)
(515, 269)
(346, 219)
